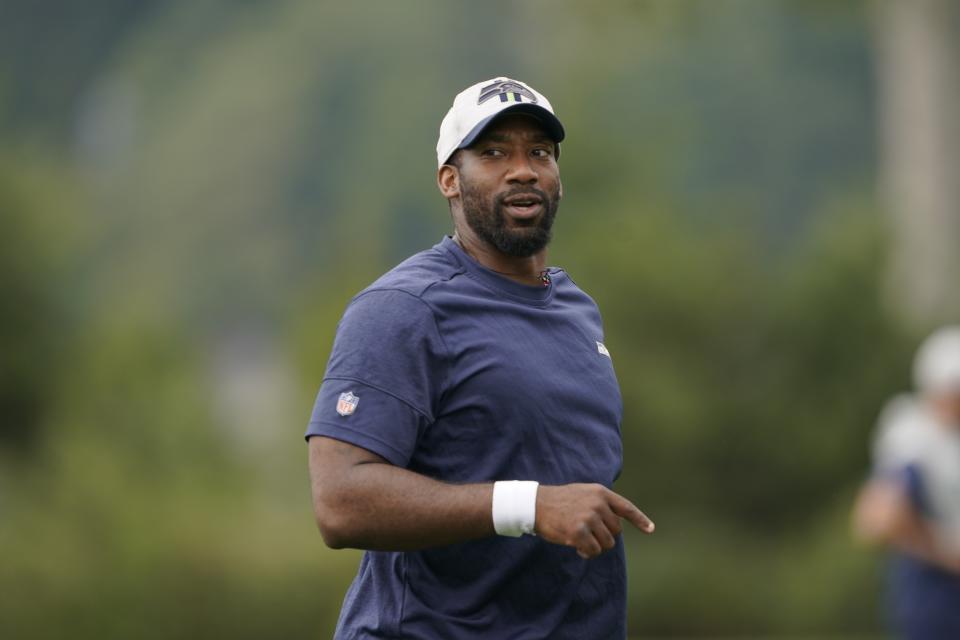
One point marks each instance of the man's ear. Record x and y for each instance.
(448, 181)
(560, 194)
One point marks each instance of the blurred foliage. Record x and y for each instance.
(191, 192)
(36, 240)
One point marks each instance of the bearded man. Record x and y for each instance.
(467, 430)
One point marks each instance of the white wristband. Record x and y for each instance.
(514, 507)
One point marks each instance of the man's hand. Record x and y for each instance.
(585, 516)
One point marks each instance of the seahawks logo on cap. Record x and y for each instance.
(508, 90)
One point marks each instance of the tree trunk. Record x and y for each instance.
(918, 68)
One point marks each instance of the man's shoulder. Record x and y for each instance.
(397, 305)
(417, 274)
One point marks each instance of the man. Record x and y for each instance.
(912, 501)
(467, 431)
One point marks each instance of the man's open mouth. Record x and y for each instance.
(523, 205)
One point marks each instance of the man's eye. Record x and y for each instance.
(493, 153)
(542, 153)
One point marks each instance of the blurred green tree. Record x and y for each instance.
(31, 322)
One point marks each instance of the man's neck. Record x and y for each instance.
(528, 270)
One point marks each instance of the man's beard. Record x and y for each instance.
(487, 219)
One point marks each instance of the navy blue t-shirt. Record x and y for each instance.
(445, 368)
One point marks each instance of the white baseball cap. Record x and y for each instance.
(475, 107)
(936, 368)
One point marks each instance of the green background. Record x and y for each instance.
(191, 192)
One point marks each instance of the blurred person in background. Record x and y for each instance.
(911, 502)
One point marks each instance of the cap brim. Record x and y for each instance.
(549, 121)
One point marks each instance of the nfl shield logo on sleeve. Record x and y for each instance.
(347, 403)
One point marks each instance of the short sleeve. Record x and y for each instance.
(898, 441)
(899, 449)
(384, 377)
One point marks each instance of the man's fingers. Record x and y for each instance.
(588, 547)
(586, 517)
(612, 521)
(626, 509)
(603, 535)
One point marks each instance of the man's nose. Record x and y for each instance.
(522, 170)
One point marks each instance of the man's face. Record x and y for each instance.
(510, 185)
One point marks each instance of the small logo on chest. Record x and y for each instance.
(602, 350)
(347, 403)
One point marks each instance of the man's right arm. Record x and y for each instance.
(362, 501)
